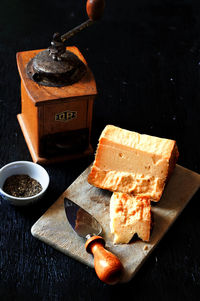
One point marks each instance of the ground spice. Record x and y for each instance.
(21, 186)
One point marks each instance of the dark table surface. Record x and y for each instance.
(145, 55)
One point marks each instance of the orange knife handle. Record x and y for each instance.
(107, 266)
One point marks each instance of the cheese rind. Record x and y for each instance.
(129, 215)
(128, 162)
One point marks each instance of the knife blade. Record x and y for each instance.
(107, 265)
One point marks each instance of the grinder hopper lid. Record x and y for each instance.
(57, 66)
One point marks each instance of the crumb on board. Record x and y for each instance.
(145, 248)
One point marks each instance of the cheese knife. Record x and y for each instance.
(107, 266)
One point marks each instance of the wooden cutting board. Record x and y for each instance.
(54, 229)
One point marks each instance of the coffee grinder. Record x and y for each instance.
(57, 94)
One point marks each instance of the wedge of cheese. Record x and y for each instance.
(129, 215)
(128, 162)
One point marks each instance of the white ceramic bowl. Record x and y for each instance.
(34, 170)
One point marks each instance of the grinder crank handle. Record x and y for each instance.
(95, 9)
(107, 266)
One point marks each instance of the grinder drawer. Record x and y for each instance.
(64, 143)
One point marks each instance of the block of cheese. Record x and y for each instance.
(129, 162)
(129, 215)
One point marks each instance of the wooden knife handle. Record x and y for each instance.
(107, 266)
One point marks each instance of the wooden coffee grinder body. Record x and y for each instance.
(56, 121)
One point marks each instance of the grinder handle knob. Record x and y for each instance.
(95, 9)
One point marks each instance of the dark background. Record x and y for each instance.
(145, 55)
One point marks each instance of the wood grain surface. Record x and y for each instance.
(54, 229)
